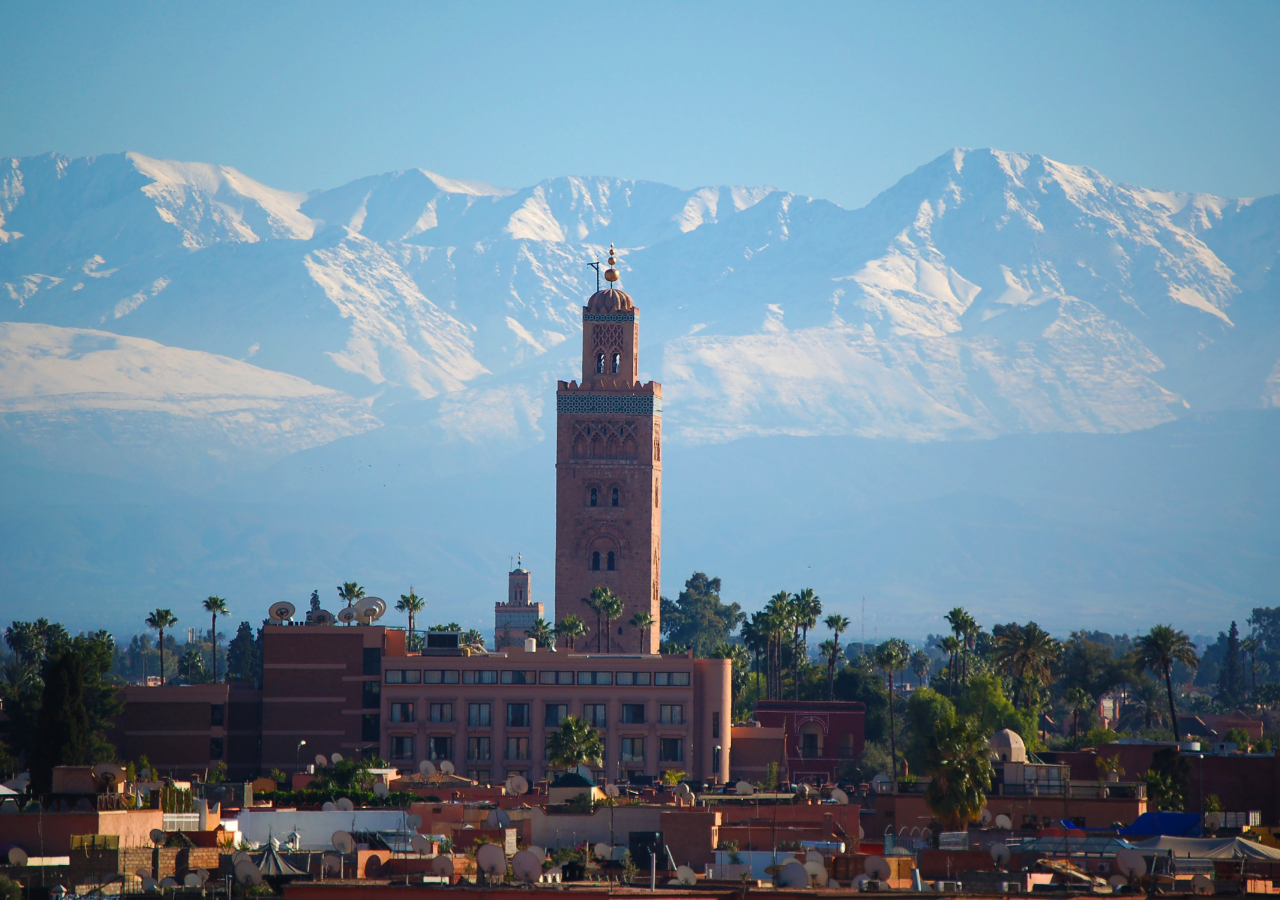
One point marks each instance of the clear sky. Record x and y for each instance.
(835, 100)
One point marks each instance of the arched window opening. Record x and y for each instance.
(519, 595)
(617, 362)
(595, 497)
(610, 561)
(616, 497)
(599, 363)
(595, 560)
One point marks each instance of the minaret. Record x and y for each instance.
(513, 619)
(609, 477)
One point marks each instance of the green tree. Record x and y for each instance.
(1231, 681)
(838, 625)
(698, 619)
(610, 609)
(1025, 654)
(892, 656)
(191, 666)
(215, 606)
(596, 601)
(808, 607)
(571, 628)
(1078, 701)
(64, 737)
(160, 620)
(541, 632)
(959, 765)
(867, 688)
(780, 611)
(642, 621)
(244, 660)
(350, 592)
(920, 665)
(575, 744)
(1157, 651)
(411, 604)
(830, 650)
(951, 645)
(927, 710)
(471, 638)
(986, 704)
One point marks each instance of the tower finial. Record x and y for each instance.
(611, 274)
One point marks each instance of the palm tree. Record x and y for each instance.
(215, 606)
(959, 765)
(781, 610)
(160, 620)
(575, 744)
(570, 628)
(891, 656)
(920, 665)
(541, 632)
(641, 622)
(808, 608)
(1157, 651)
(191, 666)
(753, 636)
(412, 604)
(1077, 700)
(350, 592)
(951, 645)
(1026, 653)
(597, 602)
(472, 638)
(611, 608)
(838, 624)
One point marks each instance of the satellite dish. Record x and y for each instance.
(347, 615)
(143, 872)
(149, 884)
(109, 773)
(802, 791)
(840, 797)
(144, 775)
(446, 767)
(336, 758)
(813, 856)
(328, 806)
(414, 822)
(332, 863)
(518, 784)
(1117, 881)
(601, 850)
(1004, 823)
(236, 858)
(419, 843)
(1201, 884)
(744, 788)
(192, 880)
(682, 791)
(877, 868)
(157, 836)
(343, 842)
(442, 865)
(585, 772)
(322, 760)
(686, 875)
(168, 883)
(17, 856)
(618, 853)
(282, 611)
(427, 767)
(526, 867)
(491, 860)
(497, 818)
(245, 870)
(1000, 855)
(817, 872)
(381, 789)
(345, 804)
(611, 790)
(322, 617)
(793, 875)
(203, 873)
(985, 818)
(538, 852)
(1131, 863)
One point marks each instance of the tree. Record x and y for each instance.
(1157, 651)
(698, 619)
(959, 766)
(891, 656)
(610, 608)
(244, 661)
(541, 632)
(571, 628)
(215, 606)
(927, 710)
(642, 622)
(191, 666)
(350, 592)
(920, 665)
(1078, 701)
(471, 638)
(160, 620)
(951, 645)
(866, 687)
(411, 604)
(959, 621)
(1251, 645)
(575, 744)
(838, 625)
(64, 736)
(808, 608)
(596, 602)
(781, 613)
(1231, 676)
(830, 648)
(754, 637)
(1025, 654)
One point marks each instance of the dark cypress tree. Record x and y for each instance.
(63, 737)
(1231, 682)
(244, 656)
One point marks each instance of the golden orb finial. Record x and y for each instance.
(611, 274)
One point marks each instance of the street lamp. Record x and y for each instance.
(715, 766)
(297, 756)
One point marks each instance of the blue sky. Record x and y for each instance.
(836, 100)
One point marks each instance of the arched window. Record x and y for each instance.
(610, 562)
(616, 497)
(599, 363)
(595, 560)
(595, 497)
(617, 362)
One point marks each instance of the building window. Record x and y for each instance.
(510, 676)
(394, 676)
(555, 678)
(478, 749)
(555, 714)
(595, 497)
(401, 747)
(809, 746)
(412, 676)
(517, 715)
(371, 697)
(617, 362)
(670, 749)
(517, 748)
(217, 713)
(480, 775)
(370, 727)
(485, 676)
(633, 749)
(633, 714)
(401, 712)
(215, 748)
(671, 715)
(715, 724)
(440, 746)
(848, 750)
(612, 563)
(478, 715)
(617, 497)
(593, 714)
(633, 678)
(671, 679)
(595, 560)
(599, 363)
(595, 678)
(372, 660)
(441, 712)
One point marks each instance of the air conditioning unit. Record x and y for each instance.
(872, 885)
(1011, 887)
(947, 886)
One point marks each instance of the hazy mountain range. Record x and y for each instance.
(200, 375)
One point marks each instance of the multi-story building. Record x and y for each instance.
(189, 729)
(820, 735)
(513, 619)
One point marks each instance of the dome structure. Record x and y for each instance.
(1008, 746)
(610, 300)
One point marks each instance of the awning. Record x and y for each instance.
(1207, 848)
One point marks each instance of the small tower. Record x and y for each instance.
(512, 619)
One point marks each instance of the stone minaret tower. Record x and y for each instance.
(609, 476)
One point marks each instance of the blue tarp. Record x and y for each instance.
(1170, 824)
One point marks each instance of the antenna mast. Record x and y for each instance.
(596, 265)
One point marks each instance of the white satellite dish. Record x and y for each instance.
(346, 615)
(526, 867)
(322, 760)
(345, 804)
(143, 872)
(744, 788)
(322, 617)
(517, 784)
(414, 822)
(491, 860)
(601, 850)
(1131, 863)
(802, 791)
(840, 797)
(682, 791)
(497, 818)
(337, 758)
(149, 884)
(238, 857)
(813, 856)
(817, 872)
(876, 868)
(204, 875)
(1000, 855)
(282, 611)
(168, 883)
(427, 767)
(157, 836)
(328, 806)
(1117, 881)
(686, 875)
(343, 842)
(617, 854)
(381, 789)
(585, 772)
(1004, 823)
(442, 865)
(446, 767)
(17, 856)
(538, 852)
(792, 875)
(611, 790)
(109, 773)
(332, 863)
(985, 818)
(245, 871)
(192, 880)
(1202, 884)
(419, 843)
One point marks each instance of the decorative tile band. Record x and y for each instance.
(609, 317)
(609, 404)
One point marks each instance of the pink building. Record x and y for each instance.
(819, 735)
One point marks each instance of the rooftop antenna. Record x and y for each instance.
(596, 265)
